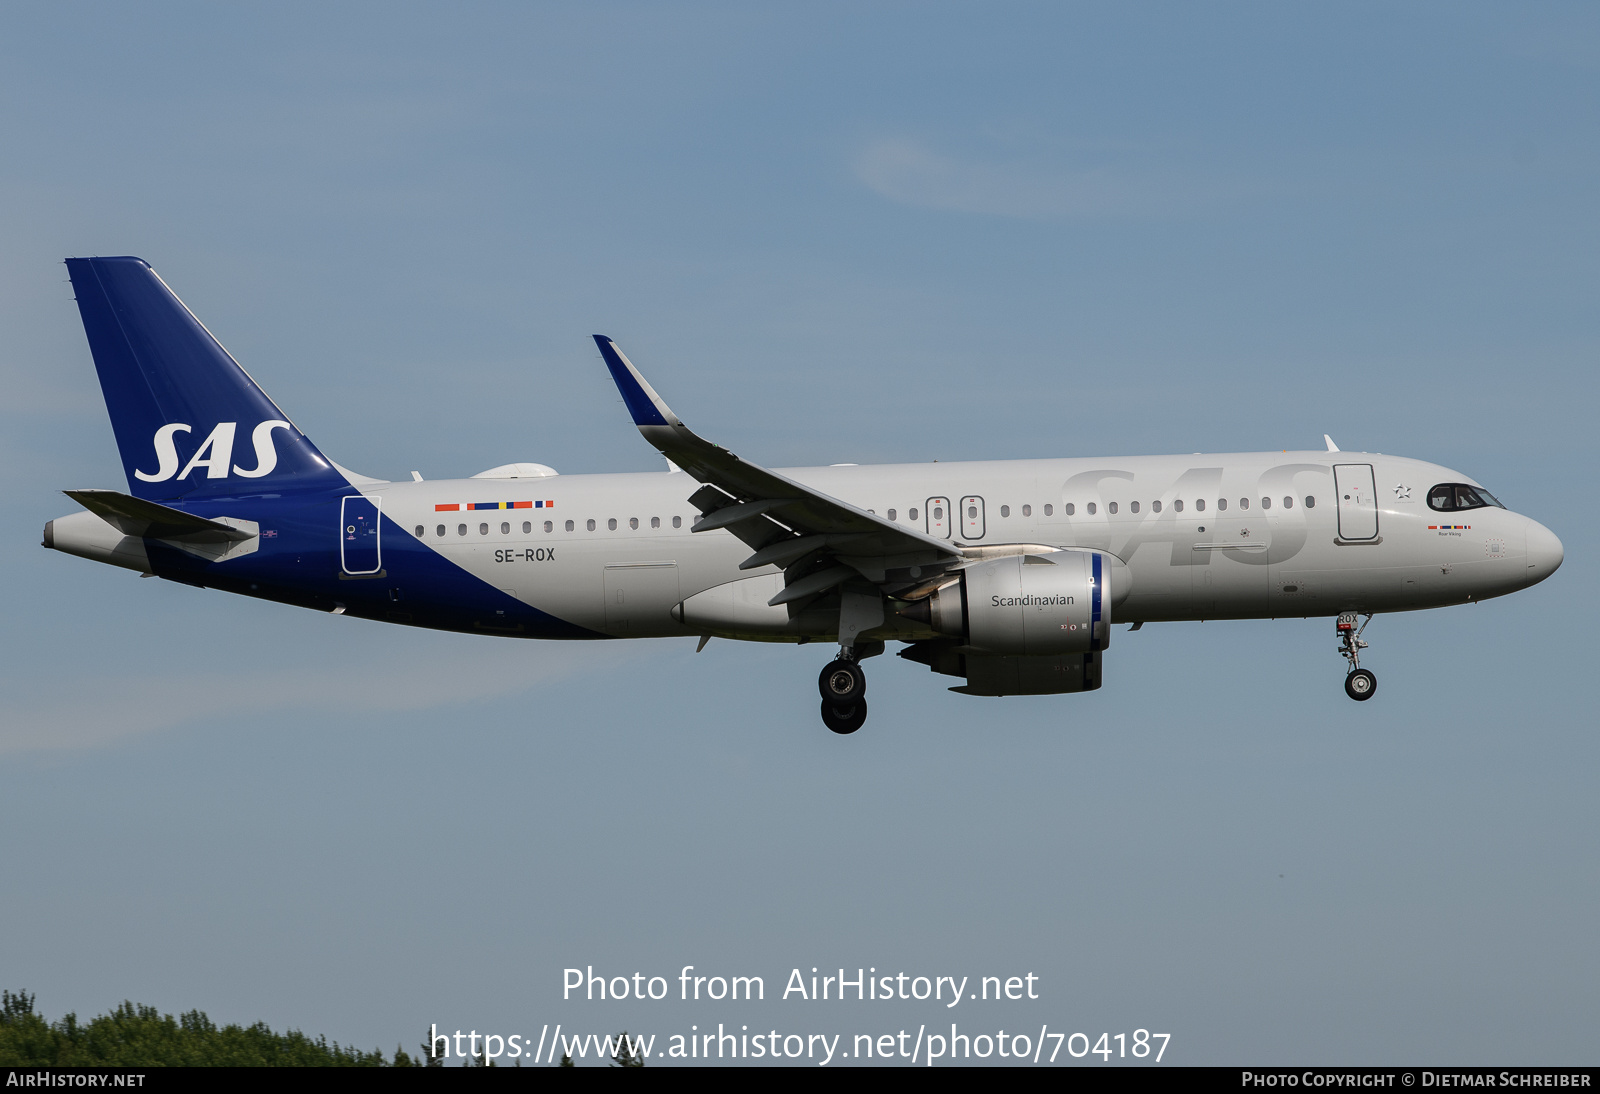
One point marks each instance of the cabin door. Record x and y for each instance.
(1358, 501)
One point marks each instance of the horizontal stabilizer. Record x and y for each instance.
(149, 520)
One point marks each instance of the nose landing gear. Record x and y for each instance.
(1359, 683)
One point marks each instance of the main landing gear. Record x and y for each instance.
(844, 693)
(1359, 684)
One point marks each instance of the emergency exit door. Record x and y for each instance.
(972, 518)
(1358, 501)
(937, 514)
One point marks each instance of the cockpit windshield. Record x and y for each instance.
(1449, 497)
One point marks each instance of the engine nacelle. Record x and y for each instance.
(1030, 605)
(1032, 675)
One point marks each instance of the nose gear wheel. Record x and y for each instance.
(1360, 685)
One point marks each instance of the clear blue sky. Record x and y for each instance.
(827, 233)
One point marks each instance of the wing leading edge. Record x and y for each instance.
(822, 543)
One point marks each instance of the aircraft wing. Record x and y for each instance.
(820, 541)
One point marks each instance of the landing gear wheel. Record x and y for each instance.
(842, 684)
(1360, 685)
(844, 719)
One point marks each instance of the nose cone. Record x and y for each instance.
(1544, 552)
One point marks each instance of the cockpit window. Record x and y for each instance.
(1451, 496)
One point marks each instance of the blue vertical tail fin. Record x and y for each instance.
(189, 422)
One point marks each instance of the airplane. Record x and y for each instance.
(1006, 575)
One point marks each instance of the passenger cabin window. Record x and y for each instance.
(1244, 503)
(420, 530)
(1133, 507)
(550, 526)
(1070, 508)
(1200, 504)
(1111, 507)
(505, 528)
(912, 513)
(633, 522)
(677, 522)
(1266, 503)
(1092, 509)
(1048, 509)
(569, 526)
(1222, 505)
(1177, 506)
(1027, 510)
(590, 524)
(440, 529)
(1288, 502)
(1005, 510)
(461, 529)
(655, 522)
(891, 514)
(527, 526)
(1451, 496)
(483, 529)
(1311, 502)
(611, 525)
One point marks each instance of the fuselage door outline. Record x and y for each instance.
(1357, 498)
(972, 517)
(360, 529)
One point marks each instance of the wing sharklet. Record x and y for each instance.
(644, 404)
(810, 510)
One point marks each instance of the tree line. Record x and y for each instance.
(134, 1035)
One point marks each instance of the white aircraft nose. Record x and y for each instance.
(1544, 552)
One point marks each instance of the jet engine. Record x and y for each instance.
(1029, 605)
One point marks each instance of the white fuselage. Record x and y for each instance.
(1247, 535)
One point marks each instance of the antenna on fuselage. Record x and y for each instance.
(1331, 446)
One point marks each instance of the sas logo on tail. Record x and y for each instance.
(215, 453)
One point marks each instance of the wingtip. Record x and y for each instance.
(643, 403)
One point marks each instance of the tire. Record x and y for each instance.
(842, 683)
(1360, 685)
(844, 720)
